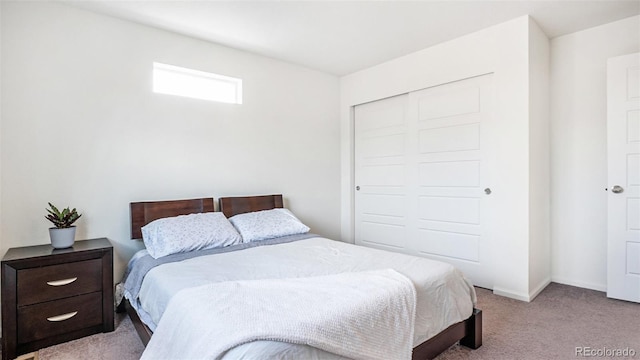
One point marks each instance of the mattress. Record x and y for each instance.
(444, 295)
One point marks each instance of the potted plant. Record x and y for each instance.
(64, 233)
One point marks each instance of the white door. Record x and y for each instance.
(421, 167)
(452, 170)
(623, 147)
(380, 173)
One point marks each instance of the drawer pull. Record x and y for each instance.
(62, 317)
(62, 282)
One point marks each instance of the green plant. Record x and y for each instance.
(62, 219)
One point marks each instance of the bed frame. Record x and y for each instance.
(468, 332)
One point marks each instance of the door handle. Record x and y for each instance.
(487, 191)
(617, 189)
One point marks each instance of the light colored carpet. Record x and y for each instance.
(121, 344)
(560, 319)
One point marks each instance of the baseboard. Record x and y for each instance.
(523, 296)
(510, 294)
(537, 290)
(580, 284)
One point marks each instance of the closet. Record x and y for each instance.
(422, 165)
(445, 155)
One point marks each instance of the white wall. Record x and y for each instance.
(579, 149)
(539, 162)
(81, 127)
(504, 51)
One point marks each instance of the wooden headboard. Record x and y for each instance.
(238, 205)
(145, 212)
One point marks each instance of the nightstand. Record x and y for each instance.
(50, 296)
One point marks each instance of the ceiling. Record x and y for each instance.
(342, 37)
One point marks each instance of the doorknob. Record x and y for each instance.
(617, 189)
(357, 188)
(487, 191)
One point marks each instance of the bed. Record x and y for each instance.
(429, 341)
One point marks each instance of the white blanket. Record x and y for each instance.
(444, 296)
(363, 315)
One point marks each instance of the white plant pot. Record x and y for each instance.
(62, 238)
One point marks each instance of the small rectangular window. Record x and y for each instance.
(175, 80)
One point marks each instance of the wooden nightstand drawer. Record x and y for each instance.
(47, 319)
(58, 281)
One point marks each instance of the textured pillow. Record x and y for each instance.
(184, 233)
(267, 224)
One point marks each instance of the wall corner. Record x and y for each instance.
(539, 160)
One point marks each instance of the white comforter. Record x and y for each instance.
(444, 296)
(366, 315)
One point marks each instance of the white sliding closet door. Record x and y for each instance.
(381, 173)
(452, 175)
(430, 200)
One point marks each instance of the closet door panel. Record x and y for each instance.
(381, 173)
(421, 169)
(453, 167)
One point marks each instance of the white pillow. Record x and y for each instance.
(184, 233)
(267, 224)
